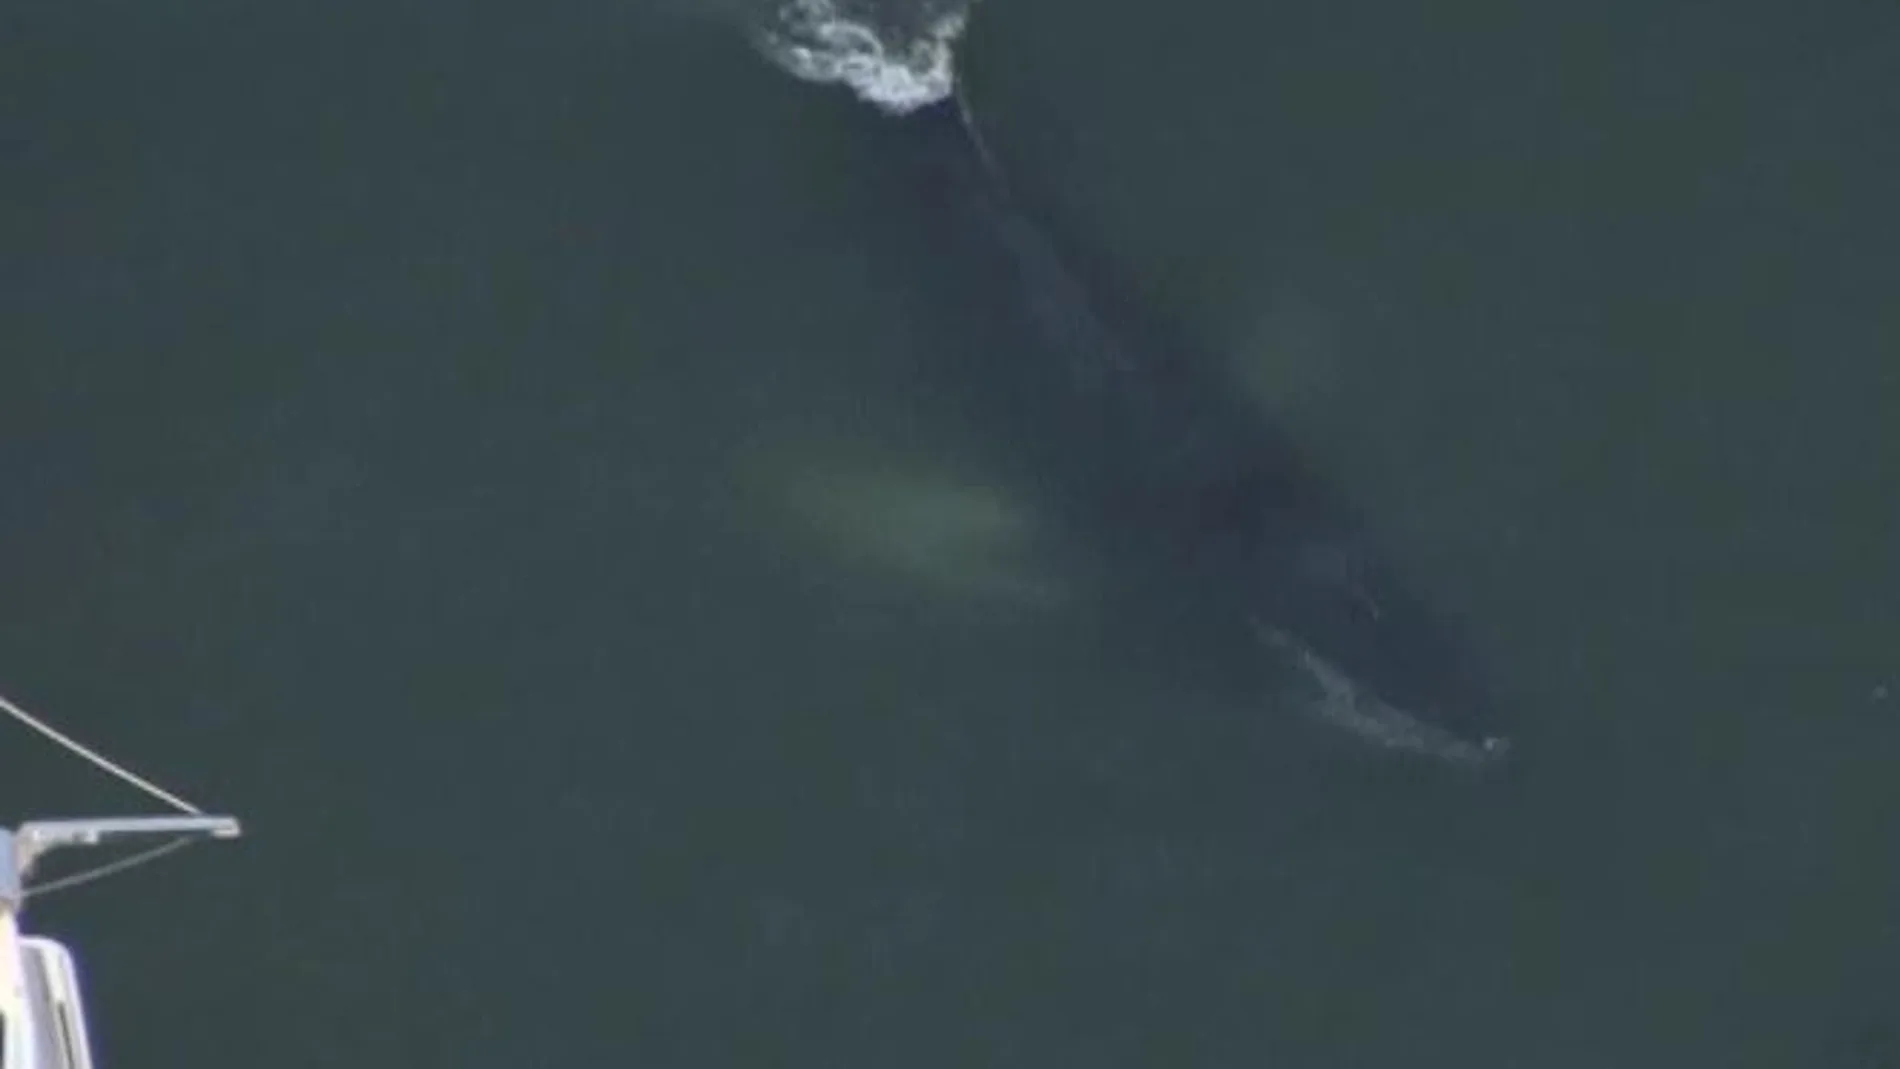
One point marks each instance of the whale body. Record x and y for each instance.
(1199, 510)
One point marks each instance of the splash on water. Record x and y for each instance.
(894, 67)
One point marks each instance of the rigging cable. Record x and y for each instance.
(117, 771)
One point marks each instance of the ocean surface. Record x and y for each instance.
(421, 429)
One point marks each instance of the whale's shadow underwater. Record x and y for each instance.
(1166, 483)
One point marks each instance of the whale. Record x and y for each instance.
(1200, 510)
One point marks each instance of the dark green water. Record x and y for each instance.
(378, 386)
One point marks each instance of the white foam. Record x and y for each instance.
(816, 41)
